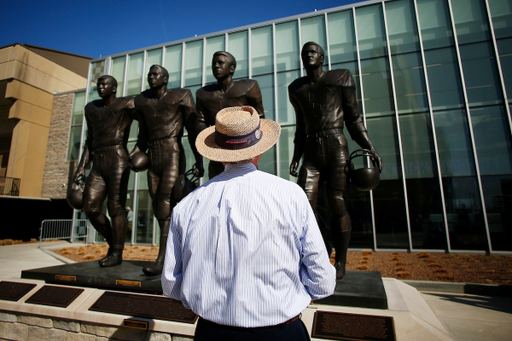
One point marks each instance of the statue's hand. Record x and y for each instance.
(79, 176)
(293, 168)
(198, 170)
(379, 160)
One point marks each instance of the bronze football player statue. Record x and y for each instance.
(162, 115)
(324, 103)
(225, 93)
(108, 121)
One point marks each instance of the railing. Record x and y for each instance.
(10, 186)
(64, 229)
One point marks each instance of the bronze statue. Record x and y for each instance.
(226, 93)
(324, 102)
(108, 121)
(162, 115)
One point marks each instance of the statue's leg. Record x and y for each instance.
(162, 202)
(341, 226)
(95, 192)
(117, 185)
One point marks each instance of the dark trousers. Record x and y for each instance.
(208, 331)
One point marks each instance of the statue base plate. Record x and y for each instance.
(362, 289)
(125, 277)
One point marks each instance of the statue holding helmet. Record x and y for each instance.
(325, 102)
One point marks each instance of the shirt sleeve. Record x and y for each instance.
(172, 274)
(317, 274)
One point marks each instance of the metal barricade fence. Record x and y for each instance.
(72, 230)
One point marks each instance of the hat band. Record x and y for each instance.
(234, 142)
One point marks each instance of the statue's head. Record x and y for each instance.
(157, 76)
(223, 64)
(312, 54)
(106, 86)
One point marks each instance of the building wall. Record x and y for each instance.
(57, 169)
(30, 82)
(434, 85)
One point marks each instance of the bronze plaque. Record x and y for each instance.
(353, 327)
(135, 324)
(65, 278)
(13, 291)
(131, 284)
(155, 307)
(55, 296)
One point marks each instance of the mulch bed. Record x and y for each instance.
(422, 266)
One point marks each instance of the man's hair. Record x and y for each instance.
(320, 49)
(163, 71)
(232, 59)
(111, 80)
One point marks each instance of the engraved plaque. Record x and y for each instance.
(157, 307)
(13, 291)
(343, 326)
(55, 296)
(65, 278)
(123, 283)
(135, 324)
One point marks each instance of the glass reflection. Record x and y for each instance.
(134, 78)
(370, 32)
(436, 28)
(402, 28)
(505, 52)
(239, 47)
(118, 69)
(498, 202)
(286, 113)
(378, 96)
(411, 94)
(172, 63)
(266, 84)
(470, 21)
(193, 63)
(501, 12)
(287, 46)
(342, 37)
(262, 53)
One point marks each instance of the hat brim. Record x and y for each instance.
(206, 146)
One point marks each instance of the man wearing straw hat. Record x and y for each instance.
(244, 250)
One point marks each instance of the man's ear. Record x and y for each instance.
(322, 60)
(232, 69)
(114, 89)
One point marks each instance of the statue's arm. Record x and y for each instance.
(300, 135)
(353, 120)
(190, 119)
(143, 133)
(85, 159)
(255, 100)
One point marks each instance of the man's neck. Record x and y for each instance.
(159, 92)
(108, 100)
(226, 83)
(314, 74)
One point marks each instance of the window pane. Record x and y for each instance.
(262, 51)
(436, 29)
(239, 47)
(212, 45)
(97, 70)
(378, 96)
(286, 113)
(313, 29)
(359, 209)
(118, 68)
(266, 84)
(464, 213)
(286, 147)
(383, 133)
(144, 216)
(411, 93)
(501, 11)
(418, 146)
(134, 78)
(498, 202)
(401, 19)
(492, 139)
(153, 57)
(268, 162)
(342, 37)
(173, 65)
(444, 79)
(193, 63)
(74, 143)
(470, 21)
(287, 46)
(480, 74)
(370, 32)
(505, 52)
(454, 144)
(78, 108)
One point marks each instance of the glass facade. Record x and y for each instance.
(434, 85)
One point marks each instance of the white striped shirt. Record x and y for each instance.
(244, 249)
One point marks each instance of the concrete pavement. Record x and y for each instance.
(466, 317)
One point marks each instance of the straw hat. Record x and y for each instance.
(239, 134)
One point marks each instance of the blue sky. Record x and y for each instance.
(99, 28)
